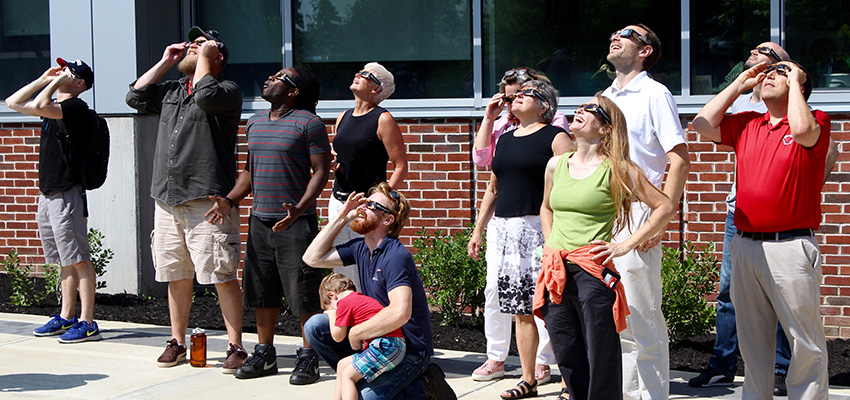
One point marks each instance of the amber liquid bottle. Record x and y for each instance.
(198, 348)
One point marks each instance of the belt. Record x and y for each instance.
(776, 236)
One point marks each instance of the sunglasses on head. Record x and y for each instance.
(629, 33)
(781, 69)
(366, 74)
(374, 205)
(768, 52)
(596, 109)
(282, 76)
(530, 92)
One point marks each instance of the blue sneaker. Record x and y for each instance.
(81, 332)
(56, 326)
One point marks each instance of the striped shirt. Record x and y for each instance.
(279, 159)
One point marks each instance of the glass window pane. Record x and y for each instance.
(818, 36)
(722, 35)
(568, 40)
(252, 31)
(24, 43)
(426, 45)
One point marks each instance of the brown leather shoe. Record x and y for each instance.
(175, 353)
(235, 356)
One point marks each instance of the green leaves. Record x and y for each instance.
(455, 280)
(100, 255)
(688, 276)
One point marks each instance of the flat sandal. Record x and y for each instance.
(565, 394)
(522, 390)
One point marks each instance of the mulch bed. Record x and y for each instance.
(690, 354)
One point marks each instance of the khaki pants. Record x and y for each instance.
(779, 280)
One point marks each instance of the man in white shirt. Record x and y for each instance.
(655, 136)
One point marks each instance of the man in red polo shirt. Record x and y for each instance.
(781, 157)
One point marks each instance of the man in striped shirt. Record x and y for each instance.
(284, 144)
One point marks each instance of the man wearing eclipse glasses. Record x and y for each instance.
(194, 159)
(655, 136)
(781, 158)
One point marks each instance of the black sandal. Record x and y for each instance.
(522, 390)
(565, 394)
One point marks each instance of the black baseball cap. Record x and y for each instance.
(80, 69)
(195, 32)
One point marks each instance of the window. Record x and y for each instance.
(722, 35)
(427, 45)
(252, 31)
(568, 41)
(24, 43)
(818, 36)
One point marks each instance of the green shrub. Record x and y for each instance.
(23, 285)
(687, 278)
(52, 281)
(455, 280)
(100, 256)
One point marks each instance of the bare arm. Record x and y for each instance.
(20, 100)
(321, 253)
(170, 57)
(390, 135)
(546, 213)
(488, 207)
(831, 158)
(337, 332)
(43, 105)
(663, 210)
(321, 170)
(801, 122)
(221, 207)
(680, 165)
(707, 122)
(392, 317)
(562, 144)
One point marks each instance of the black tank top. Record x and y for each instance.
(361, 154)
(520, 165)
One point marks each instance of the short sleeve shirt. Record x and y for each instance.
(57, 167)
(357, 308)
(279, 159)
(390, 266)
(653, 120)
(779, 181)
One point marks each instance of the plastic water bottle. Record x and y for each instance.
(198, 349)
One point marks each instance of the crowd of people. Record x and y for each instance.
(574, 215)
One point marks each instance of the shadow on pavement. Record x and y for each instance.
(29, 382)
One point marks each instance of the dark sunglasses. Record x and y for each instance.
(282, 76)
(596, 109)
(374, 205)
(781, 69)
(394, 196)
(629, 33)
(509, 99)
(371, 76)
(201, 40)
(768, 52)
(530, 92)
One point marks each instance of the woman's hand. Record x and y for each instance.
(474, 245)
(495, 106)
(608, 251)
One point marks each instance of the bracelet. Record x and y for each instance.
(230, 201)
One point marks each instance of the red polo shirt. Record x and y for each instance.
(779, 181)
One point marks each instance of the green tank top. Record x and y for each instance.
(583, 208)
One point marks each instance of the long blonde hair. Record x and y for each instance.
(615, 146)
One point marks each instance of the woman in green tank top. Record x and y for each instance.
(586, 199)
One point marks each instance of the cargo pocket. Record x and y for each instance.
(226, 251)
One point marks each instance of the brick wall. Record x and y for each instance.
(443, 188)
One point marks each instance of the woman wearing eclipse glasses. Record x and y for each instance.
(510, 213)
(587, 196)
(366, 138)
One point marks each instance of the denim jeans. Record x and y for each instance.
(725, 358)
(401, 382)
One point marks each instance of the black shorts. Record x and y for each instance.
(273, 266)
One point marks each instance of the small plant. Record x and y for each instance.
(23, 285)
(100, 255)
(454, 280)
(52, 281)
(688, 275)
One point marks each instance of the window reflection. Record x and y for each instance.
(24, 43)
(818, 35)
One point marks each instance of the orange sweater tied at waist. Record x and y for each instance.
(553, 277)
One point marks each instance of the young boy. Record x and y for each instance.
(346, 308)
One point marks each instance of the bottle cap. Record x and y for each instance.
(197, 331)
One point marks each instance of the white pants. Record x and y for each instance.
(779, 281)
(644, 342)
(345, 235)
(497, 325)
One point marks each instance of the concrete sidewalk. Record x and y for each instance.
(123, 366)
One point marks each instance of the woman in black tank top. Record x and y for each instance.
(367, 137)
(511, 208)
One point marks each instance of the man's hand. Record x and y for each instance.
(174, 53)
(208, 50)
(50, 74)
(64, 78)
(751, 77)
(796, 77)
(219, 211)
(292, 213)
(349, 209)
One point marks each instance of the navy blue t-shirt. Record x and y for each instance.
(387, 268)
